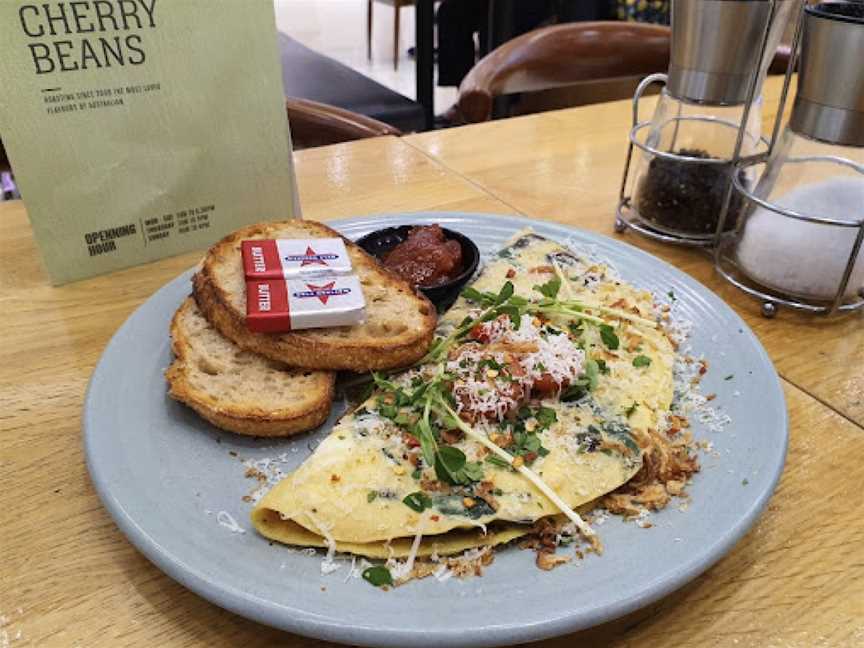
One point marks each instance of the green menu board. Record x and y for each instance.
(139, 129)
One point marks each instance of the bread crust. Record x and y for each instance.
(237, 416)
(384, 342)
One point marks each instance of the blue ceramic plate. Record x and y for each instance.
(164, 475)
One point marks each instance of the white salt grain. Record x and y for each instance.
(802, 258)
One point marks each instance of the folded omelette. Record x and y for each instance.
(532, 402)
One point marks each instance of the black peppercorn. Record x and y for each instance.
(686, 197)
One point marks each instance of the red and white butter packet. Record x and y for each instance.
(280, 305)
(288, 258)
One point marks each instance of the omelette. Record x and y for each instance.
(534, 401)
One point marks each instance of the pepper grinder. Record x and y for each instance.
(708, 116)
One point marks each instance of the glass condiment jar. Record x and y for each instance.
(720, 52)
(684, 165)
(806, 256)
(803, 235)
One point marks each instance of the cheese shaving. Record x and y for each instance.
(225, 519)
(328, 565)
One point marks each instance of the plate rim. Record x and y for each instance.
(299, 621)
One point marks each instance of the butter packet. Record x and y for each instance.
(281, 305)
(290, 258)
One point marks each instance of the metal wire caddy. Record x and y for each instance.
(718, 244)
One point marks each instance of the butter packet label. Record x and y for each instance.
(288, 258)
(281, 305)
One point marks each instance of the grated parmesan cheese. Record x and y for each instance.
(225, 519)
(492, 395)
(328, 565)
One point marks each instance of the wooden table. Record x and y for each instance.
(69, 578)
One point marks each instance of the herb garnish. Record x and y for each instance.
(452, 467)
(417, 501)
(588, 381)
(427, 408)
(607, 334)
(505, 302)
(450, 463)
(497, 461)
(641, 361)
(546, 416)
(550, 288)
(378, 576)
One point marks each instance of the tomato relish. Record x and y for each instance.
(426, 258)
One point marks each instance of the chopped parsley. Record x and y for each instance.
(672, 296)
(371, 496)
(630, 410)
(729, 377)
(641, 361)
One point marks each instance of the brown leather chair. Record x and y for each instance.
(318, 124)
(569, 65)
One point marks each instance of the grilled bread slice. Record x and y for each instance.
(239, 391)
(399, 323)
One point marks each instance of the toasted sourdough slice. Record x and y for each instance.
(399, 322)
(239, 391)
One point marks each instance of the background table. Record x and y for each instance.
(69, 578)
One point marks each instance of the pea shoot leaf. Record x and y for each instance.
(475, 295)
(607, 334)
(452, 467)
(514, 313)
(377, 576)
(505, 293)
(428, 445)
(550, 288)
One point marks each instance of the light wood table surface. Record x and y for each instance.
(69, 578)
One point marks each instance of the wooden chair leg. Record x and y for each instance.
(397, 9)
(369, 29)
